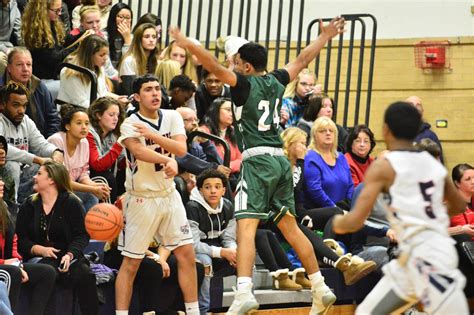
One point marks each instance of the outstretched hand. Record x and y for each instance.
(335, 27)
(179, 38)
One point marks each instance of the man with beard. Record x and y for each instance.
(210, 89)
(27, 148)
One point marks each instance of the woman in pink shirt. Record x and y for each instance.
(72, 141)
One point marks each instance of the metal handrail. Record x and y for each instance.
(91, 74)
(214, 138)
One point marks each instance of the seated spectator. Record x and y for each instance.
(463, 224)
(72, 140)
(184, 57)
(430, 146)
(327, 175)
(285, 275)
(119, 31)
(321, 105)
(90, 21)
(425, 129)
(202, 154)
(141, 58)
(152, 19)
(181, 92)
(93, 53)
(213, 225)
(104, 6)
(8, 185)
(353, 268)
(295, 98)
(10, 25)
(43, 33)
(50, 228)
(209, 89)
(27, 148)
(230, 46)
(41, 108)
(219, 121)
(106, 155)
(166, 71)
(359, 145)
(37, 279)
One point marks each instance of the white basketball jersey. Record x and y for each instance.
(416, 196)
(143, 176)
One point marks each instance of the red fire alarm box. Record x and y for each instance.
(432, 55)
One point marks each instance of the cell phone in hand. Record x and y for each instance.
(62, 265)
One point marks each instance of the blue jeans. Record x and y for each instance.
(204, 291)
(4, 300)
(88, 199)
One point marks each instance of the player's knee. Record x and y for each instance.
(130, 265)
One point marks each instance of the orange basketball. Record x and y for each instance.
(104, 222)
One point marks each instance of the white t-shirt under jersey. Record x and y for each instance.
(143, 176)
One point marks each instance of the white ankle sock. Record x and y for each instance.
(192, 308)
(316, 279)
(121, 312)
(243, 282)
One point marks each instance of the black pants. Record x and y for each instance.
(81, 279)
(40, 286)
(270, 251)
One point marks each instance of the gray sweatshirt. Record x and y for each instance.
(24, 141)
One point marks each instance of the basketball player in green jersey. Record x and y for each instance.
(265, 190)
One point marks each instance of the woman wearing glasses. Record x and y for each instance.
(43, 33)
(119, 33)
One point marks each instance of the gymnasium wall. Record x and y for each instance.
(446, 94)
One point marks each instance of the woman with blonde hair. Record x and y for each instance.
(104, 7)
(296, 97)
(43, 33)
(328, 180)
(184, 57)
(167, 70)
(141, 58)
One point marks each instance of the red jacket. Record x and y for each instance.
(357, 169)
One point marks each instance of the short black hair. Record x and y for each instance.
(13, 87)
(255, 54)
(139, 81)
(355, 133)
(183, 82)
(403, 120)
(210, 173)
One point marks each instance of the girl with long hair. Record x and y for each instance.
(119, 33)
(219, 121)
(50, 228)
(75, 86)
(141, 58)
(184, 57)
(105, 153)
(44, 35)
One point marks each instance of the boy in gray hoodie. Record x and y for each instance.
(213, 225)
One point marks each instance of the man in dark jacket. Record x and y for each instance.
(425, 129)
(210, 89)
(41, 109)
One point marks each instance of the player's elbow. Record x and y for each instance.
(181, 150)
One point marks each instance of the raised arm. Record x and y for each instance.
(208, 61)
(335, 27)
(378, 177)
